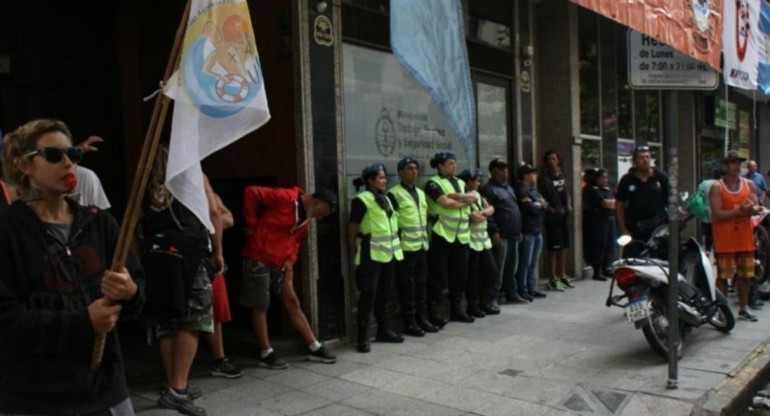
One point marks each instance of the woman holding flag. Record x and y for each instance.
(53, 288)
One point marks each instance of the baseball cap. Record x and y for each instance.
(524, 170)
(469, 174)
(733, 156)
(407, 160)
(498, 163)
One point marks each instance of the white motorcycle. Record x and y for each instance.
(644, 282)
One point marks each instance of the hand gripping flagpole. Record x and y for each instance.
(149, 150)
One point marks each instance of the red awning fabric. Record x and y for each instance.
(693, 27)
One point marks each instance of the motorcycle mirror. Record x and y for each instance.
(623, 240)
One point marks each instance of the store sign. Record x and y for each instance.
(389, 116)
(693, 27)
(653, 65)
(744, 133)
(725, 114)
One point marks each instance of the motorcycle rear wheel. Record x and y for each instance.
(761, 254)
(656, 330)
(723, 319)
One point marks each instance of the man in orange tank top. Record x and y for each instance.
(733, 201)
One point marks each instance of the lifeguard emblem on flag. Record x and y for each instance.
(219, 93)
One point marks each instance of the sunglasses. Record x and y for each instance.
(55, 154)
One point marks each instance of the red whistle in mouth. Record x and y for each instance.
(71, 181)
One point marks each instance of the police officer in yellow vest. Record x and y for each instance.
(449, 207)
(373, 236)
(411, 273)
(482, 269)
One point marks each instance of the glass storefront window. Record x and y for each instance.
(712, 150)
(589, 73)
(376, 5)
(625, 116)
(656, 154)
(625, 156)
(591, 153)
(647, 116)
(492, 108)
(491, 33)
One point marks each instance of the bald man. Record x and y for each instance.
(759, 180)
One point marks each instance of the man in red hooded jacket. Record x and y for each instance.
(277, 220)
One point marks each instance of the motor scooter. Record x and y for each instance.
(644, 284)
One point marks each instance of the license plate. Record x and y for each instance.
(637, 310)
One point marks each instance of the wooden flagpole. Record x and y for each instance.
(142, 175)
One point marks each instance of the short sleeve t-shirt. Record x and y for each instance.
(88, 190)
(643, 200)
(434, 190)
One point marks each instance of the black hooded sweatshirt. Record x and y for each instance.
(46, 335)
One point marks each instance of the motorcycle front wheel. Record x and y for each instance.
(656, 330)
(723, 319)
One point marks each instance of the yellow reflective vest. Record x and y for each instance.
(412, 218)
(480, 240)
(452, 223)
(384, 244)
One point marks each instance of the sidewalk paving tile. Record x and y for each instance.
(296, 378)
(507, 406)
(374, 377)
(255, 390)
(419, 408)
(294, 403)
(416, 387)
(379, 402)
(337, 409)
(462, 398)
(337, 389)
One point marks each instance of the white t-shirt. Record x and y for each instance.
(89, 189)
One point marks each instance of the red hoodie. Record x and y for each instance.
(271, 217)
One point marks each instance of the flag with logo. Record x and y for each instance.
(740, 43)
(764, 43)
(219, 95)
(428, 39)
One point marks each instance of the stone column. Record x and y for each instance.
(558, 96)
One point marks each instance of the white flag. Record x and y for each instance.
(741, 42)
(219, 95)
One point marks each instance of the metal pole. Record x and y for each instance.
(673, 243)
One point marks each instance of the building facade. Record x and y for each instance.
(547, 75)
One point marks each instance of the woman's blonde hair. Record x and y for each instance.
(23, 140)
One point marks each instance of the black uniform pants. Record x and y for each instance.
(482, 276)
(411, 276)
(600, 251)
(374, 281)
(448, 264)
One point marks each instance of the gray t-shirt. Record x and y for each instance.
(60, 231)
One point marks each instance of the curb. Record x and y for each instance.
(734, 392)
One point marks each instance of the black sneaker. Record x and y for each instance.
(747, 316)
(322, 355)
(273, 362)
(182, 404)
(516, 300)
(491, 309)
(193, 392)
(537, 294)
(224, 368)
(526, 296)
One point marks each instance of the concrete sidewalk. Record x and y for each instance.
(567, 354)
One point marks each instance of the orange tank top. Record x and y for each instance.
(733, 234)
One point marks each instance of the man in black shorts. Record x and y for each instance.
(554, 188)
